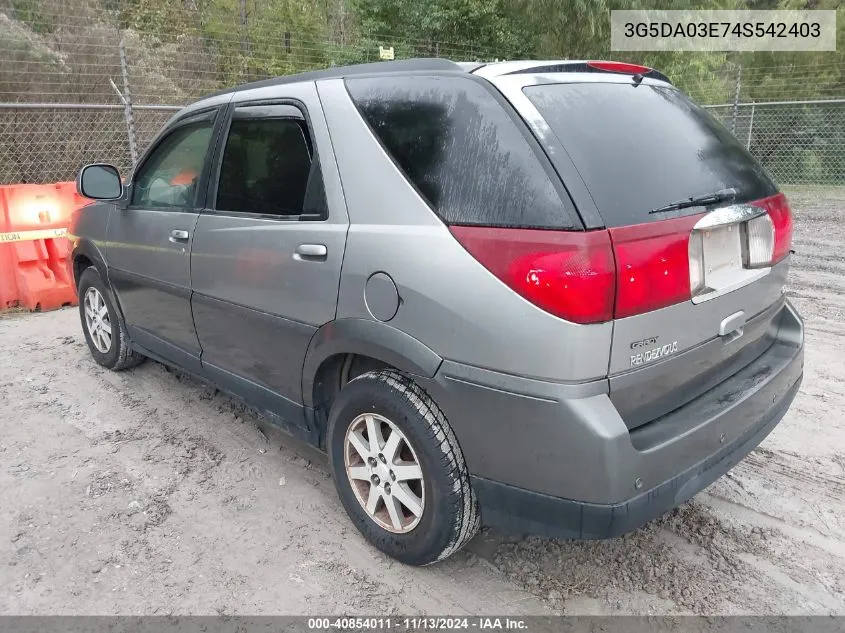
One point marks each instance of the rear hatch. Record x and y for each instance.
(699, 282)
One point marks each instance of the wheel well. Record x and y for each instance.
(80, 263)
(332, 375)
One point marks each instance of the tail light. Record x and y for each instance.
(769, 236)
(781, 215)
(596, 276)
(568, 273)
(760, 241)
(592, 276)
(653, 265)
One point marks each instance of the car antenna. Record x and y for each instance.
(638, 79)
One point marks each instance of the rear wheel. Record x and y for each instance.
(104, 330)
(399, 470)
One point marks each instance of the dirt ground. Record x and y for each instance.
(143, 492)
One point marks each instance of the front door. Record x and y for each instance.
(149, 242)
(268, 250)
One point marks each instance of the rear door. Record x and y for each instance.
(697, 287)
(149, 241)
(268, 248)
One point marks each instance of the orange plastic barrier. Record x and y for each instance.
(184, 177)
(34, 247)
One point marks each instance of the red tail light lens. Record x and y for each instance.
(652, 262)
(570, 274)
(596, 276)
(777, 207)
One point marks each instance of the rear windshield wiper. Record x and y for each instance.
(698, 201)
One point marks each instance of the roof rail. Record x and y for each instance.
(405, 65)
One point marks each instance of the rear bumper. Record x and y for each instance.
(559, 460)
(521, 511)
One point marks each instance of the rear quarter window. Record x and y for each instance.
(462, 151)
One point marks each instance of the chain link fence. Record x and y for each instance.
(798, 142)
(91, 80)
(42, 143)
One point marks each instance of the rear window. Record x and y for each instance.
(641, 147)
(460, 149)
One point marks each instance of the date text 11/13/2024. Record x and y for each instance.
(416, 623)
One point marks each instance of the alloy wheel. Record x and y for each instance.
(384, 472)
(97, 320)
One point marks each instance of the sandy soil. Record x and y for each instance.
(144, 492)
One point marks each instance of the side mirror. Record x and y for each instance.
(99, 182)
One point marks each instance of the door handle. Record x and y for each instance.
(177, 235)
(311, 251)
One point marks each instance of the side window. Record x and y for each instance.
(466, 156)
(169, 176)
(269, 168)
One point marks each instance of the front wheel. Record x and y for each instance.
(398, 469)
(104, 330)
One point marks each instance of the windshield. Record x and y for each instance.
(642, 147)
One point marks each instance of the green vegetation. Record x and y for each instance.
(181, 49)
(259, 38)
(249, 39)
(29, 11)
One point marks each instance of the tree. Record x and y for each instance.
(461, 29)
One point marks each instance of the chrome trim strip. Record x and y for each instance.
(734, 214)
(751, 275)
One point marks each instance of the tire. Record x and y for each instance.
(448, 513)
(117, 354)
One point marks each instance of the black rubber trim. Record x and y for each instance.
(145, 340)
(369, 338)
(521, 511)
(584, 67)
(86, 247)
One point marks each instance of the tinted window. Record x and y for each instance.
(267, 169)
(639, 148)
(168, 178)
(461, 150)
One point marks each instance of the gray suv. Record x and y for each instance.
(542, 296)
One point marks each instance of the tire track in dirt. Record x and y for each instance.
(144, 491)
(802, 474)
